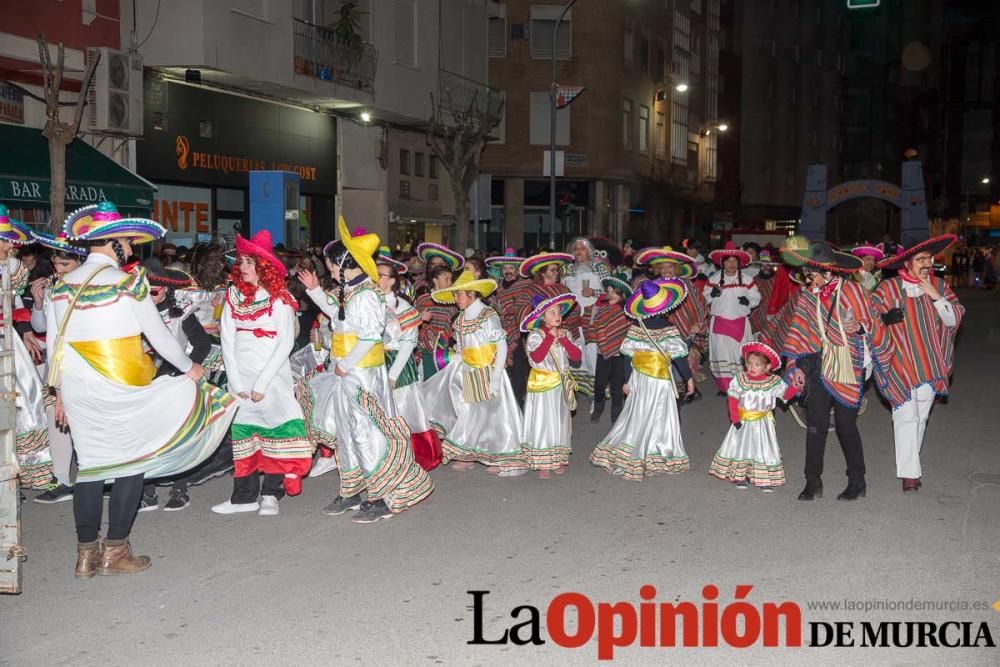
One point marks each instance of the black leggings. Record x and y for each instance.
(88, 507)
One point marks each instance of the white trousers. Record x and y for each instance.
(908, 424)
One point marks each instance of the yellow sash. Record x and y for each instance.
(480, 357)
(651, 363)
(753, 415)
(540, 380)
(343, 343)
(119, 359)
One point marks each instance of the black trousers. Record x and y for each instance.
(518, 373)
(818, 426)
(88, 507)
(247, 489)
(610, 371)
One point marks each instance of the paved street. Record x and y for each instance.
(304, 588)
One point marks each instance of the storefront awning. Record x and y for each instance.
(91, 176)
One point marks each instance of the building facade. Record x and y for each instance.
(640, 154)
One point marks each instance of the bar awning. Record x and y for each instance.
(91, 176)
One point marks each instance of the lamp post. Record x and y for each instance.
(552, 129)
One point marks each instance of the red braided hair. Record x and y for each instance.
(268, 278)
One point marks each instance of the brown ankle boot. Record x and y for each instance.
(117, 558)
(88, 554)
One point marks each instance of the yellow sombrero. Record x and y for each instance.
(362, 248)
(465, 283)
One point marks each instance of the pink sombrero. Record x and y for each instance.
(262, 247)
(653, 256)
(102, 222)
(428, 250)
(761, 348)
(535, 263)
(869, 250)
(721, 255)
(935, 245)
(13, 230)
(655, 297)
(536, 317)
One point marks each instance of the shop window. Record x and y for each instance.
(418, 164)
(404, 162)
(543, 23)
(497, 36)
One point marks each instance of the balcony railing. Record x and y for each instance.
(459, 96)
(319, 53)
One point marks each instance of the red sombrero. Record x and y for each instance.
(262, 247)
(761, 348)
(536, 317)
(535, 263)
(933, 246)
(719, 256)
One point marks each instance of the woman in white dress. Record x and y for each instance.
(471, 401)
(646, 439)
(258, 332)
(546, 441)
(373, 441)
(401, 335)
(731, 294)
(125, 424)
(750, 453)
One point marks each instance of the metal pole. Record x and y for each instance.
(552, 131)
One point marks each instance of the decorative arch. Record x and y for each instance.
(909, 198)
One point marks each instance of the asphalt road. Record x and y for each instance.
(304, 588)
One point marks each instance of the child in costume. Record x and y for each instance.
(189, 332)
(731, 294)
(750, 454)
(471, 401)
(646, 439)
(546, 440)
(373, 442)
(400, 341)
(607, 326)
(258, 333)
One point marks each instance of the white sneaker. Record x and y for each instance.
(268, 506)
(323, 466)
(229, 507)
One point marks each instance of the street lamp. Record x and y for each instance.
(681, 87)
(366, 116)
(985, 181)
(552, 129)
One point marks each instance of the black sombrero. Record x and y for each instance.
(934, 246)
(818, 255)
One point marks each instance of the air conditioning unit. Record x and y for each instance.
(114, 101)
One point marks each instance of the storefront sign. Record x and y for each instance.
(32, 191)
(185, 212)
(11, 103)
(208, 138)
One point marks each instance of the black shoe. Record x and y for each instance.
(178, 500)
(341, 505)
(372, 512)
(149, 503)
(721, 393)
(56, 493)
(853, 491)
(693, 396)
(814, 489)
(595, 415)
(210, 471)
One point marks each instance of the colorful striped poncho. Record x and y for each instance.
(439, 326)
(606, 326)
(759, 315)
(692, 314)
(803, 336)
(924, 346)
(512, 300)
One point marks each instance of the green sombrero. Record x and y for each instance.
(820, 255)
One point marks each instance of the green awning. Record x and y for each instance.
(91, 176)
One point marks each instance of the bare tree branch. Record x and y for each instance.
(59, 71)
